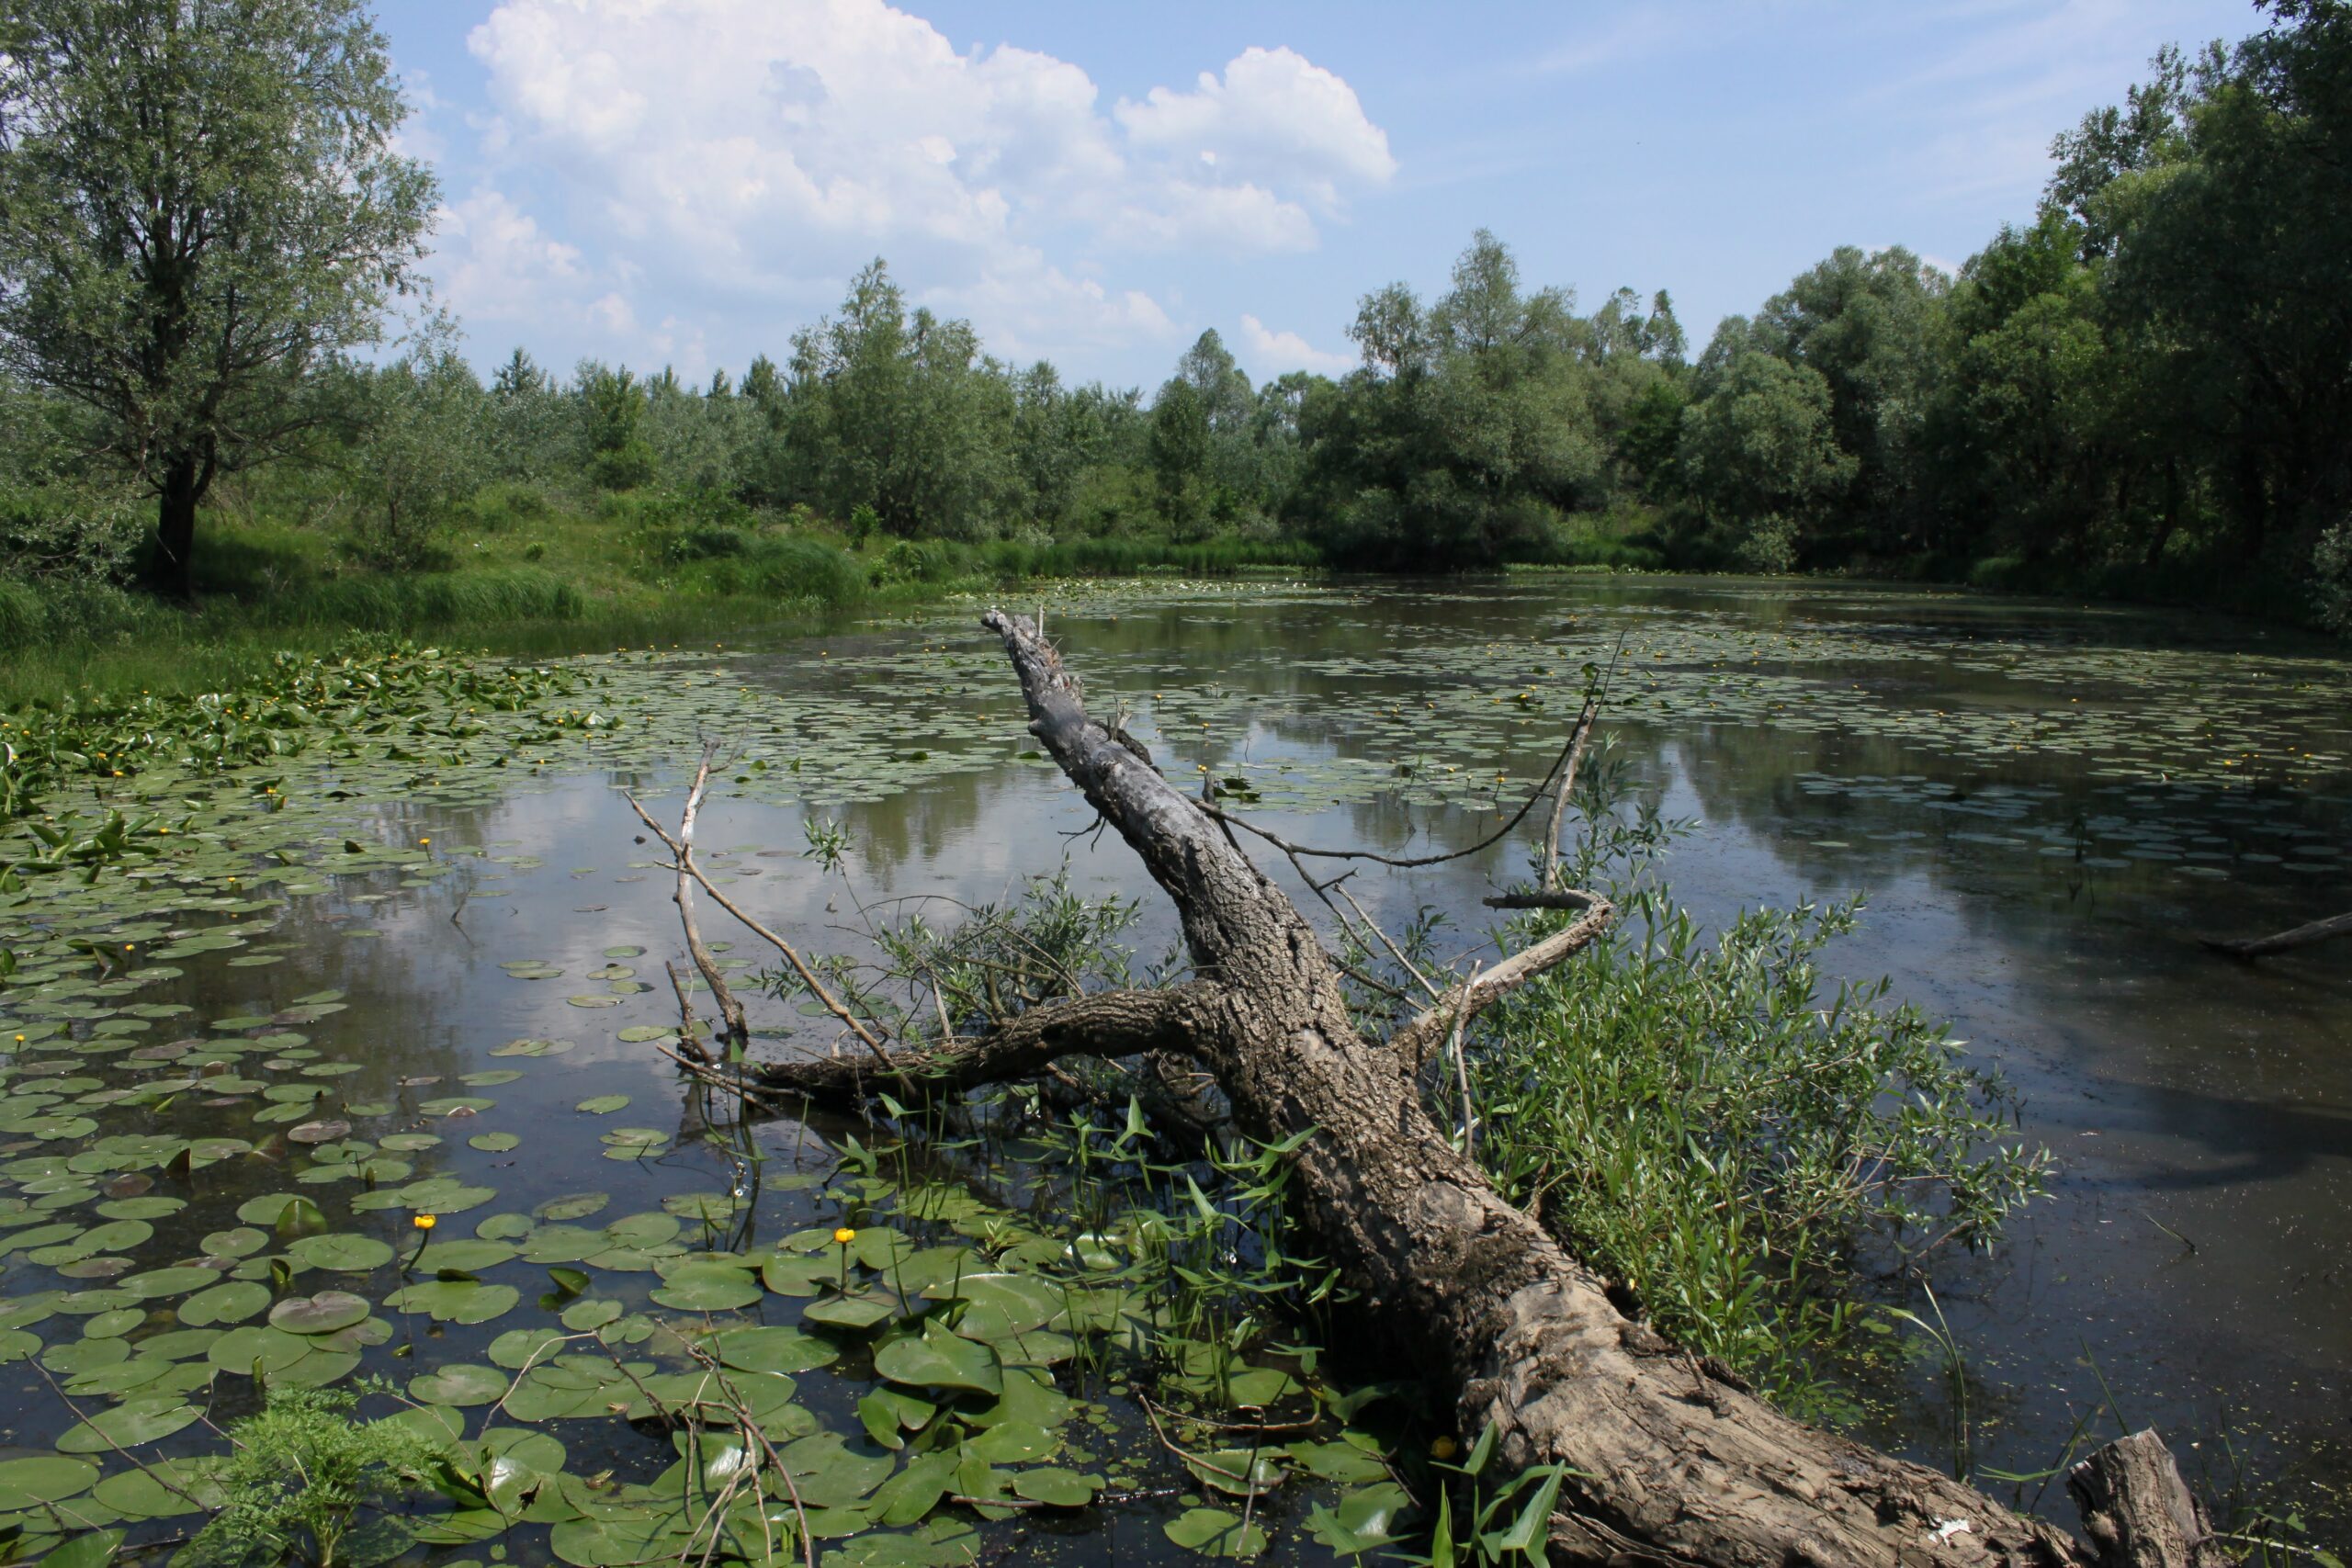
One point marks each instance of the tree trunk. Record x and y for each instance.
(173, 569)
(2301, 936)
(1667, 1460)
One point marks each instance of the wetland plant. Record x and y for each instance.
(299, 1475)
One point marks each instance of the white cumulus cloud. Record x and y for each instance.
(1271, 353)
(736, 159)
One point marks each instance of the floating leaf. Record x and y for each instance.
(1062, 1488)
(937, 1358)
(321, 1314)
(603, 1104)
(704, 1287)
(1215, 1532)
(343, 1253)
(42, 1479)
(772, 1349)
(128, 1425)
(458, 1385)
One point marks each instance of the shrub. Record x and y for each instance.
(2332, 578)
(1768, 547)
(56, 530)
(301, 1471)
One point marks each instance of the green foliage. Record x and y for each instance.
(190, 356)
(419, 456)
(2332, 578)
(1763, 443)
(299, 1475)
(1714, 1123)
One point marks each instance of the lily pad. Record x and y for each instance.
(24, 1482)
(772, 1349)
(937, 1358)
(458, 1384)
(128, 1425)
(321, 1314)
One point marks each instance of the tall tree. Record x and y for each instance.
(198, 202)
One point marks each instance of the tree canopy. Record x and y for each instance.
(199, 204)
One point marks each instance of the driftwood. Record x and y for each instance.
(2137, 1511)
(1666, 1460)
(2301, 936)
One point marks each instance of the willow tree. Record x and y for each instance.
(199, 201)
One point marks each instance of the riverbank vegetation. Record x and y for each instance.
(2138, 389)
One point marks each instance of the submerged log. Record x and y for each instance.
(2301, 936)
(1666, 1461)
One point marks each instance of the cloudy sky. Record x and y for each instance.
(689, 181)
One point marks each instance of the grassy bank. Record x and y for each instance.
(545, 581)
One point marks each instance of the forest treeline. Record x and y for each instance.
(2144, 387)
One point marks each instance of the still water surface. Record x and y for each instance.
(2045, 805)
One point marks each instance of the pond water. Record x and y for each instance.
(2046, 805)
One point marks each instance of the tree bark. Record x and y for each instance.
(2137, 1509)
(2301, 936)
(1666, 1461)
(172, 570)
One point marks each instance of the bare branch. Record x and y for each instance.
(816, 988)
(1416, 1039)
(1106, 1023)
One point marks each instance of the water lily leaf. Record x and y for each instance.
(1216, 1533)
(495, 1143)
(318, 1131)
(603, 1104)
(613, 1543)
(456, 1301)
(115, 1324)
(906, 1496)
(937, 1358)
(470, 1254)
(321, 1314)
(851, 1312)
(128, 1425)
(165, 1489)
(772, 1349)
(92, 1549)
(1012, 1442)
(585, 1317)
(24, 1482)
(829, 1473)
(1062, 1488)
(240, 1242)
(343, 1253)
(1363, 1519)
(707, 1287)
(230, 1303)
(578, 1206)
(1237, 1471)
(458, 1385)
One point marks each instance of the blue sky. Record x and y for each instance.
(689, 181)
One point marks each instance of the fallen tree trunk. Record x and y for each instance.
(2301, 936)
(1666, 1461)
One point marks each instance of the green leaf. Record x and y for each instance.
(43, 1478)
(94, 1548)
(129, 1426)
(321, 1314)
(940, 1360)
(772, 1349)
(1217, 1533)
(707, 1287)
(1062, 1488)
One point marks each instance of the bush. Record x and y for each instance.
(1768, 547)
(298, 1476)
(55, 530)
(499, 507)
(2332, 579)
